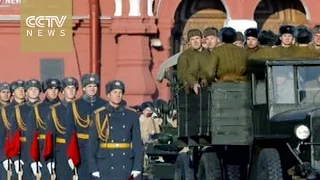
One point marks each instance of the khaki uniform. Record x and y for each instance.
(266, 52)
(313, 46)
(250, 51)
(284, 53)
(190, 66)
(305, 52)
(227, 63)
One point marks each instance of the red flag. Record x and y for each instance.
(131, 177)
(34, 149)
(7, 146)
(16, 144)
(73, 151)
(48, 146)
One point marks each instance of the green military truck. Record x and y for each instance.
(267, 128)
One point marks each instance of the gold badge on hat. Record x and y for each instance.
(70, 79)
(91, 79)
(117, 83)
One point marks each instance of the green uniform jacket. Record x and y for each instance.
(251, 51)
(188, 67)
(305, 52)
(264, 53)
(284, 53)
(227, 59)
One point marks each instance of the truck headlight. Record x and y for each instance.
(302, 132)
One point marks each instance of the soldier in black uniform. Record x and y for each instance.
(57, 126)
(115, 145)
(18, 122)
(5, 94)
(70, 86)
(37, 123)
(78, 121)
(8, 115)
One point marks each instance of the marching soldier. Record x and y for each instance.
(5, 94)
(252, 43)
(8, 116)
(37, 129)
(303, 38)
(57, 126)
(78, 121)
(69, 89)
(6, 171)
(115, 145)
(18, 122)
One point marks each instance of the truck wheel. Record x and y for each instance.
(209, 167)
(233, 172)
(182, 169)
(269, 165)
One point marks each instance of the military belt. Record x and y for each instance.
(42, 136)
(82, 136)
(23, 139)
(115, 145)
(60, 140)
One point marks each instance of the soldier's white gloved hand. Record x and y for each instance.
(135, 173)
(70, 162)
(6, 163)
(51, 166)
(96, 174)
(34, 168)
(18, 163)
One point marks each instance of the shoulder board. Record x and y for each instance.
(55, 105)
(20, 104)
(131, 109)
(99, 109)
(36, 104)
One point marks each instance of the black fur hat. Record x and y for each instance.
(286, 29)
(303, 36)
(251, 32)
(228, 35)
(267, 38)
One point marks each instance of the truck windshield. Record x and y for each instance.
(283, 85)
(309, 85)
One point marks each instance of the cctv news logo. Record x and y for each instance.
(45, 26)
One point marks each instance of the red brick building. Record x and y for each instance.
(127, 29)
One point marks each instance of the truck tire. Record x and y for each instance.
(209, 167)
(269, 165)
(233, 172)
(183, 171)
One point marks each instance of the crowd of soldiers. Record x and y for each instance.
(49, 139)
(224, 54)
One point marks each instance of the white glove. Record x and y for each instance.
(34, 168)
(70, 162)
(6, 163)
(51, 166)
(18, 163)
(96, 174)
(135, 173)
